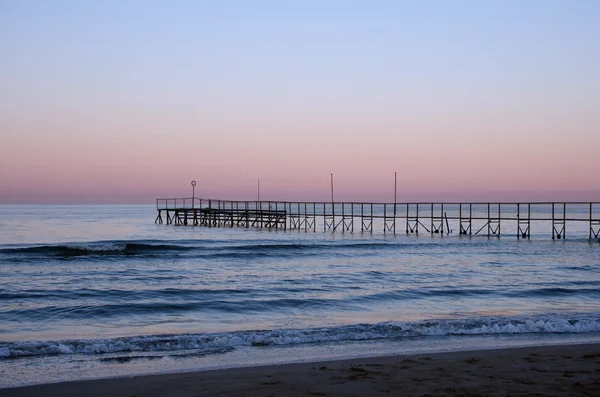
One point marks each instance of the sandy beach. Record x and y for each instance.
(572, 370)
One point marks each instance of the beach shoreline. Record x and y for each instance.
(543, 370)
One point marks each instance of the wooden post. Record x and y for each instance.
(407, 205)
(528, 220)
(315, 217)
(470, 218)
(432, 225)
(417, 220)
(352, 217)
(564, 228)
(247, 214)
(518, 221)
(441, 218)
(343, 221)
(362, 218)
(499, 217)
(489, 225)
(460, 228)
(553, 221)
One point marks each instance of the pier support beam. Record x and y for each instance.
(366, 218)
(412, 223)
(437, 222)
(389, 223)
(594, 224)
(465, 223)
(559, 224)
(492, 224)
(523, 223)
(347, 222)
(328, 219)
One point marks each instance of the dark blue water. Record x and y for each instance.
(91, 291)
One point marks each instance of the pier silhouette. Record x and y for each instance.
(435, 218)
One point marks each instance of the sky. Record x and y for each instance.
(126, 101)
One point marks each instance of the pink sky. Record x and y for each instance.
(97, 159)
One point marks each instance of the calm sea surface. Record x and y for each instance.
(99, 291)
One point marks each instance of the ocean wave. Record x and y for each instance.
(94, 248)
(217, 249)
(109, 310)
(176, 245)
(219, 342)
(89, 303)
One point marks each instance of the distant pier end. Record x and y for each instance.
(476, 218)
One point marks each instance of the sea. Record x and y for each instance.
(102, 291)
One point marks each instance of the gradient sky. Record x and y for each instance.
(126, 101)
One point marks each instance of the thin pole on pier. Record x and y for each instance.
(193, 193)
(332, 205)
(395, 187)
(258, 190)
(331, 188)
(395, 197)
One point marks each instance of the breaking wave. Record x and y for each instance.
(216, 343)
(94, 248)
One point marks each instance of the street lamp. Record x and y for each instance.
(193, 193)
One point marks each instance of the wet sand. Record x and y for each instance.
(571, 370)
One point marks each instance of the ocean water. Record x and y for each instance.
(101, 291)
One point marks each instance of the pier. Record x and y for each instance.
(435, 218)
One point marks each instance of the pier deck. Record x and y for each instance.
(478, 218)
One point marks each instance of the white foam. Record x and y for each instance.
(548, 324)
(97, 247)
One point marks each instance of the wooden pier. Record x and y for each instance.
(465, 219)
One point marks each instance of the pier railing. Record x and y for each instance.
(475, 218)
(178, 203)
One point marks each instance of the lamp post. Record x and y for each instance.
(193, 193)
(332, 188)
(395, 187)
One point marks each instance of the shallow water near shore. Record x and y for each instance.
(101, 291)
